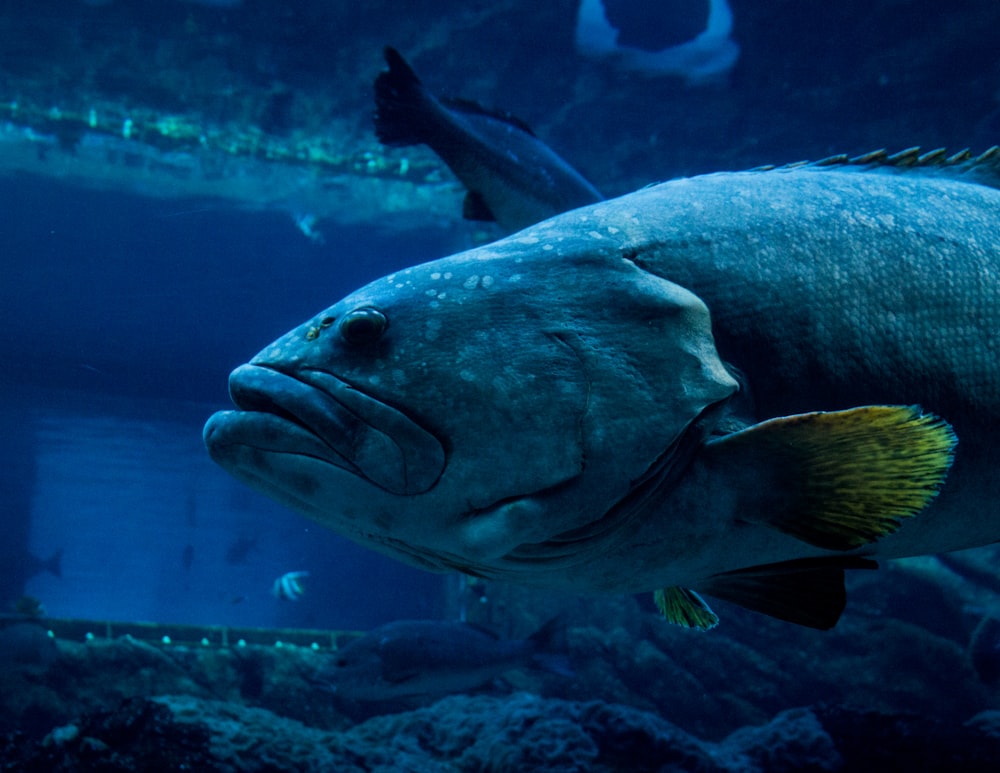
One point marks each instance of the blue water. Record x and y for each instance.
(122, 317)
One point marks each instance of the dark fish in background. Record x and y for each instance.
(20, 567)
(411, 658)
(24, 643)
(238, 551)
(512, 176)
(187, 557)
(52, 564)
(32, 565)
(29, 606)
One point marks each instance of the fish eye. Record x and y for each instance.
(363, 326)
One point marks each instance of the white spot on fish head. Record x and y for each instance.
(528, 240)
(487, 281)
(547, 247)
(595, 234)
(471, 283)
(436, 275)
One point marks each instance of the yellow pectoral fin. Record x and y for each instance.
(842, 479)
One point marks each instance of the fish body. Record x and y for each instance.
(239, 549)
(290, 586)
(25, 643)
(412, 658)
(551, 409)
(512, 177)
(847, 282)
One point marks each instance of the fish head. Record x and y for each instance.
(452, 411)
(355, 671)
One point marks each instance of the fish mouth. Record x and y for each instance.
(317, 415)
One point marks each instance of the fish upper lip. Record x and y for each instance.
(362, 434)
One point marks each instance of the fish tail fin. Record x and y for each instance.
(843, 479)
(402, 103)
(551, 648)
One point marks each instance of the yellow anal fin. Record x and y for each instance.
(808, 592)
(842, 479)
(685, 608)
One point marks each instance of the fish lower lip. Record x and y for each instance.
(363, 435)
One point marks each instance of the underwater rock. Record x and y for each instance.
(517, 733)
(98, 674)
(644, 685)
(709, 685)
(137, 735)
(987, 722)
(984, 650)
(873, 740)
(793, 741)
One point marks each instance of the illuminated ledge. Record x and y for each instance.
(178, 635)
(336, 177)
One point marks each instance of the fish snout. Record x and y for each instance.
(316, 414)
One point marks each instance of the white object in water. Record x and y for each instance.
(705, 58)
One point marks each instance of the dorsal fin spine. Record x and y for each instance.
(983, 169)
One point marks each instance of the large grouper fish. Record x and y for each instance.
(553, 409)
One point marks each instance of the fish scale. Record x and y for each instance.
(868, 280)
(873, 302)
